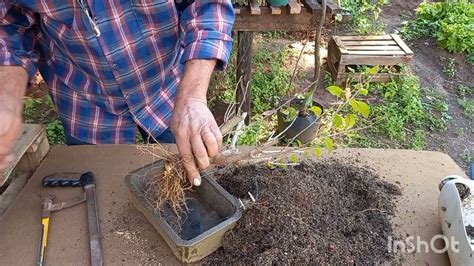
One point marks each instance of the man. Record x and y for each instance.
(115, 68)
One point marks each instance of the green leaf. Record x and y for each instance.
(336, 91)
(309, 100)
(298, 143)
(329, 144)
(350, 120)
(271, 165)
(317, 152)
(337, 121)
(307, 153)
(282, 163)
(291, 114)
(316, 110)
(373, 70)
(360, 107)
(293, 158)
(363, 92)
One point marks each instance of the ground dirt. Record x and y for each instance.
(317, 212)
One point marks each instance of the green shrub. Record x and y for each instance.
(270, 79)
(42, 111)
(402, 115)
(451, 23)
(365, 15)
(401, 106)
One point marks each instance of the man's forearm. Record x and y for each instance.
(13, 82)
(195, 81)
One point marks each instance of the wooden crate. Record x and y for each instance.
(353, 51)
(30, 149)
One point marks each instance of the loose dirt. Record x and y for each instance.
(317, 212)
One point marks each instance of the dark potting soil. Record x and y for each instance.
(317, 212)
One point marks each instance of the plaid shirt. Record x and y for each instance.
(114, 64)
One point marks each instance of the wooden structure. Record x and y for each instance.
(29, 151)
(353, 51)
(296, 16)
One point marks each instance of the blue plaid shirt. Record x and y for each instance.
(114, 64)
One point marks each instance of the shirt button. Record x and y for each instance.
(96, 19)
(115, 66)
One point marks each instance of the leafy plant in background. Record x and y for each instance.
(465, 100)
(270, 80)
(468, 106)
(450, 68)
(450, 22)
(257, 132)
(42, 111)
(402, 118)
(365, 15)
(55, 132)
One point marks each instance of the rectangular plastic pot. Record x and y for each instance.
(217, 209)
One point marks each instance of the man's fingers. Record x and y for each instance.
(184, 148)
(200, 152)
(7, 123)
(7, 140)
(211, 142)
(5, 161)
(4, 165)
(217, 134)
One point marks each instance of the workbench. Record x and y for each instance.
(127, 238)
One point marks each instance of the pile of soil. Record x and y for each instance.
(317, 212)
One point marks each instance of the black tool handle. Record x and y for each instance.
(67, 181)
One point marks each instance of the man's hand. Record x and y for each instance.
(13, 82)
(197, 135)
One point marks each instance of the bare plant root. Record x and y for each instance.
(170, 187)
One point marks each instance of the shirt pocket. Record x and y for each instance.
(156, 17)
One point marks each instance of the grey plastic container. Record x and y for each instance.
(217, 209)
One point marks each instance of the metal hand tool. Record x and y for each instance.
(87, 181)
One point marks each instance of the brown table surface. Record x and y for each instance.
(127, 238)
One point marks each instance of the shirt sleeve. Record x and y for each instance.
(17, 38)
(207, 26)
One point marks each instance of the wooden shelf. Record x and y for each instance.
(293, 17)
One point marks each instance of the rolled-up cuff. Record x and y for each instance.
(209, 49)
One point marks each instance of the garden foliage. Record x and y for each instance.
(450, 22)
